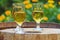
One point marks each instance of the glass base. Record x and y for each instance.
(19, 30)
(38, 29)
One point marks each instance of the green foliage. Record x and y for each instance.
(51, 13)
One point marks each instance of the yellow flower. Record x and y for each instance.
(51, 5)
(58, 16)
(26, 2)
(2, 17)
(50, 1)
(28, 6)
(45, 18)
(34, 0)
(8, 12)
(45, 5)
(59, 3)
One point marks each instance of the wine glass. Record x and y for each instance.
(37, 15)
(19, 16)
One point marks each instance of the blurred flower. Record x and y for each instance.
(28, 6)
(51, 5)
(51, 2)
(45, 18)
(34, 0)
(8, 12)
(45, 5)
(59, 3)
(58, 16)
(26, 2)
(2, 17)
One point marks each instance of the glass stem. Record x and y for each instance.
(18, 27)
(38, 25)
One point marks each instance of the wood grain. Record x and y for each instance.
(6, 25)
(1, 36)
(8, 36)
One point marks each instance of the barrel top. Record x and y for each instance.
(44, 31)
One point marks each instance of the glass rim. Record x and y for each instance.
(18, 5)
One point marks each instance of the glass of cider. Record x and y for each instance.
(37, 15)
(19, 16)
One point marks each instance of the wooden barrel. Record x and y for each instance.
(46, 34)
(5, 25)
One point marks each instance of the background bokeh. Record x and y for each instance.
(51, 10)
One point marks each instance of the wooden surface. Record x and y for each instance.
(47, 34)
(6, 25)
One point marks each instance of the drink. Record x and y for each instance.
(37, 16)
(19, 17)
